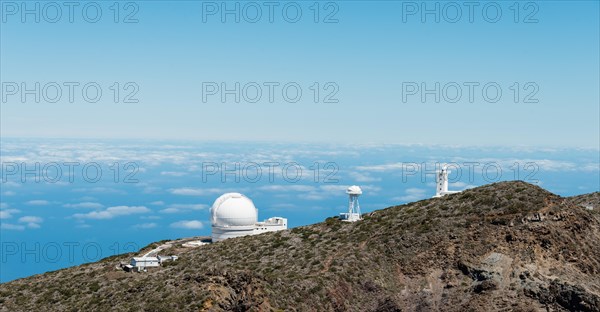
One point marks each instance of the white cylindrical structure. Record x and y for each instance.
(442, 182)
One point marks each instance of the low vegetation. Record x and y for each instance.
(506, 246)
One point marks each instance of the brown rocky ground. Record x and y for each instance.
(508, 246)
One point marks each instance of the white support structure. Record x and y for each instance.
(353, 213)
(442, 182)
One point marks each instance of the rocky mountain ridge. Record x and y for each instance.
(508, 246)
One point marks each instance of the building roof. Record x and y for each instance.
(145, 259)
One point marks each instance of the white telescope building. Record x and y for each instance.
(353, 213)
(441, 187)
(234, 215)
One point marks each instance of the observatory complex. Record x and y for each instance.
(441, 178)
(234, 215)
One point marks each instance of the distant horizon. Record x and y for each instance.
(315, 142)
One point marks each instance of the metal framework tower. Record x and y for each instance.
(353, 213)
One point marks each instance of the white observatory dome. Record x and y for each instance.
(354, 190)
(233, 209)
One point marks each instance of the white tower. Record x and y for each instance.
(353, 213)
(441, 180)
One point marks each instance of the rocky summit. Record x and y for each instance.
(508, 246)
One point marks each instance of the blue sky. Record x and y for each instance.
(368, 54)
(363, 127)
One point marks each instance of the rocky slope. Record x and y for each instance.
(508, 246)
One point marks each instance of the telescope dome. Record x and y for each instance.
(233, 209)
(354, 190)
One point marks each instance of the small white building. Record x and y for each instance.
(194, 244)
(144, 262)
(270, 225)
(162, 259)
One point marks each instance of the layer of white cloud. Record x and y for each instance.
(173, 173)
(145, 226)
(412, 194)
(85, 205)
(175, 208)
(362, 177)
(100, 190)
(31, 222)
(382, 167)
(9, 226)
(188, 224)
(30, 219)
(288, 188)
(38, 202)
(188, 191)
(6, 184)
(464, 164)
(8, 213)
(112, 212)
(459, 186)
(150, 217)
